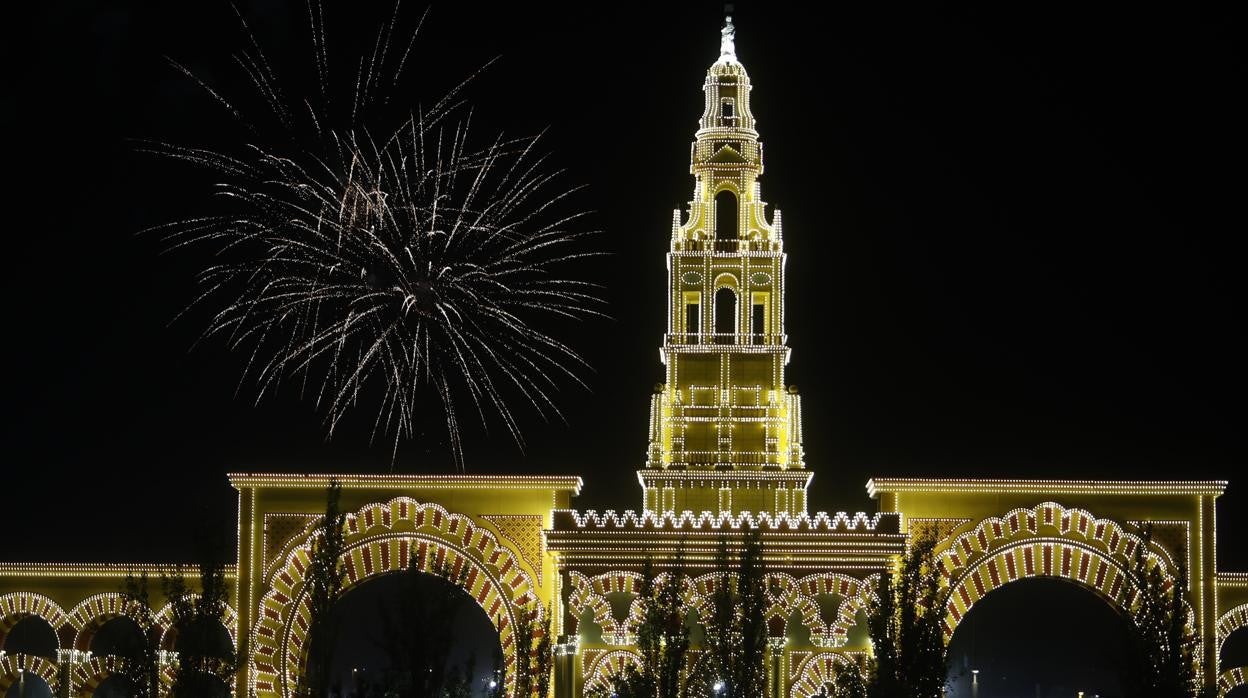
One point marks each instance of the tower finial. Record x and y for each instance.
(727, 45)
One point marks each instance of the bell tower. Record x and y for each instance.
(725, 430)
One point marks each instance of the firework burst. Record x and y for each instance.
(384, 268)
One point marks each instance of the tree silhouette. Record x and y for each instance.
(323, 582)
(1165, 648)
(204, 666)
(138, 662)
(738, 642)
(904, 622)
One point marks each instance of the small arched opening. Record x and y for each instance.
(726, 220)
(204, 638)
(725, 312)
(114, 686)
(31, 635)
(203, 646)
(29, 686)
(1234, 649)
(120, 636)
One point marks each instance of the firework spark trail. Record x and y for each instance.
(392, 265)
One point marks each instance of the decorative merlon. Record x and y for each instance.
(820, 521)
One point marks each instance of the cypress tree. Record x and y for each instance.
(904, 622)
(324, 582)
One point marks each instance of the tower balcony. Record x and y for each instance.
(724, 339)
(730, 459)
(727, 246)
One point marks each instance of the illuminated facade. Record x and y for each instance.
(725, 456)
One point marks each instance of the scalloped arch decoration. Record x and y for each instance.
(90, 674)
(11, 666)
(815, 673)
(855, 595)
(606, 665)
(785, 594)
(1232, 679)
(590, 593)
(1231, 621)
(169, 635)
(1048, 540)
(17, 606)
(381, 538)
(92, 613)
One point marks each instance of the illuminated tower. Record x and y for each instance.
(725, 431)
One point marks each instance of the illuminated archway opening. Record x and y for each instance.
(411, 633)
(31, 635)
(29, 686)
(113, 687)
(1045, 637)
(383, 538)
(120, 635)
(207, 638)
(1234, 650)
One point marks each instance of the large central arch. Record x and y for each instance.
(379, 539)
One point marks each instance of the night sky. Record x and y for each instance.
(1014, 237)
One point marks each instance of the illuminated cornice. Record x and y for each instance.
(1232, 579)
(798, 476)
(357, 481)
(878, 486)
(73, 570)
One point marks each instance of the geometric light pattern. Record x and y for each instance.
(785, 594)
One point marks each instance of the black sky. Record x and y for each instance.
(1013, 236)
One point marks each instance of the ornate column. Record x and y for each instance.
(67, 661)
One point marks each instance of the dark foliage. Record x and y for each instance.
(738, 641)
(323, 586)
(662, 636)
(905, 626)
(418, 634)
(138, 664)
(1165, 646)
(534, 653)
(205, 662)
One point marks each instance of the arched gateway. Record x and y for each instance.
(725, 458)
(992, 532)
(385, 538)
(485, 530)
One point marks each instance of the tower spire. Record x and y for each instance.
(725, 429)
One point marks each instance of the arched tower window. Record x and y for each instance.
(727, 109)
(758, 318)
(725, 312)
(726, 215)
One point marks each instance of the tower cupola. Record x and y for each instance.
(727, 89)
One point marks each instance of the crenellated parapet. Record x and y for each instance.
(839, 522)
